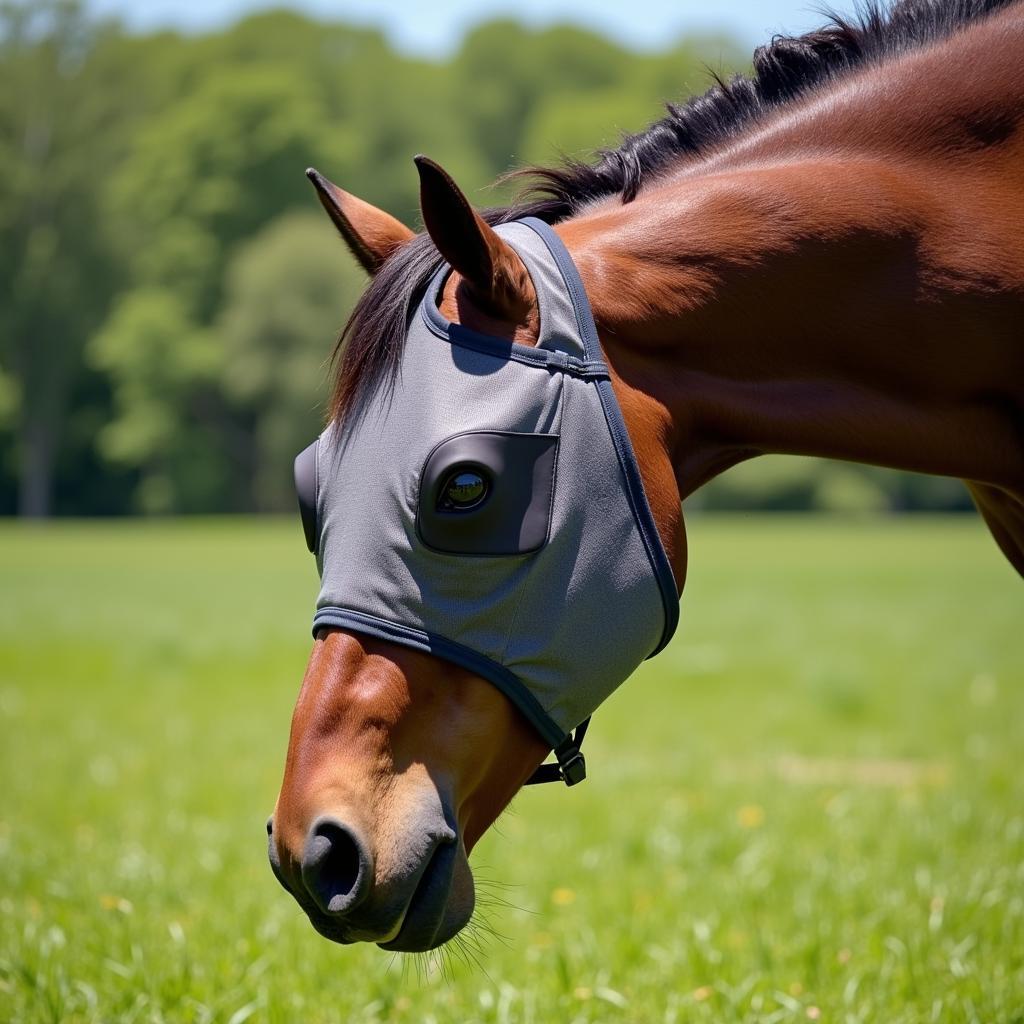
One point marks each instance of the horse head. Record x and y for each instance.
(457, 548)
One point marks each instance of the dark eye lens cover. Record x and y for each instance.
(466, 487)
(488, 493)
(305, 489)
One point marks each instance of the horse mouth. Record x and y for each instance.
(430, 919)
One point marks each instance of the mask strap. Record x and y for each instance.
(571, 767)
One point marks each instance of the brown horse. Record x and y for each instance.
(826, 258)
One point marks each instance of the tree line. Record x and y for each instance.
(169, 290)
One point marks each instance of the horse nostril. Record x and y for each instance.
(336, 868)
(272, 855)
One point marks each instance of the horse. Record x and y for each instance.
(823, 258)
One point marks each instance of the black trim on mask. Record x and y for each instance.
(420, 640)
(660, 564)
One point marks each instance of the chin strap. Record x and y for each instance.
(570, 767)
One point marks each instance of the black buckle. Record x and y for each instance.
(573, 769)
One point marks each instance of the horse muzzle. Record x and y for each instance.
(414, 897)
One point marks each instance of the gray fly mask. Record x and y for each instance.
(488, 509)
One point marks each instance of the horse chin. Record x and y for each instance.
(441, 906)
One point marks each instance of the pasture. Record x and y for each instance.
(810, 807)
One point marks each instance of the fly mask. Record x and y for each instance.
(487, 508)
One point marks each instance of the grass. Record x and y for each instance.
(811, 807)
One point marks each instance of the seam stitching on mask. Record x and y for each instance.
(551, 506)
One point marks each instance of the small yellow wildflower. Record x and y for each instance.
(750, 816)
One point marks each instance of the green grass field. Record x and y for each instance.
(811, 807)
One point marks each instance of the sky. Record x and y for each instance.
(433, 28)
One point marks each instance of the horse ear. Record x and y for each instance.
(371, 234)
(490, 266)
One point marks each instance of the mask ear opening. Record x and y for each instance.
(306, 491)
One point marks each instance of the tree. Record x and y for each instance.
(56, 139)
(167, 420)
(505, 72)
(166, 310)
(288, 292)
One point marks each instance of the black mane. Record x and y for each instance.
(370, 346)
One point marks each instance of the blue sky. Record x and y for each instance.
(434, 27)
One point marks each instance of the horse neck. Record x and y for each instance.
(846, 282)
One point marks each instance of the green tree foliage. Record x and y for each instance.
(55, 271)
(169, 291)
(288, 290)
(166, 408)
(504, 72)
